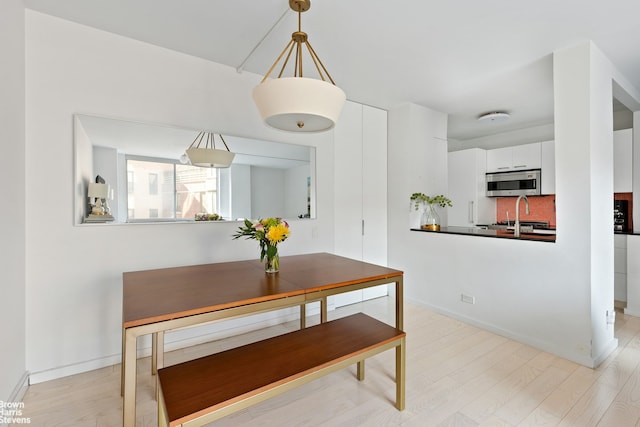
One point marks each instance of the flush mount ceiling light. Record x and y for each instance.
(208, 156)
(494, 117)
(299, 104)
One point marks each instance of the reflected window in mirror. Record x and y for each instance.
(167, 190)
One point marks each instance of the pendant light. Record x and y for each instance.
(299, 104)
(208, 155)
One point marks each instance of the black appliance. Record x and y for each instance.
(620, 215)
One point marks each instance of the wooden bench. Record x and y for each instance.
(200, 391)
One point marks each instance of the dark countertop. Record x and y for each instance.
(501, 234)
(627, 233)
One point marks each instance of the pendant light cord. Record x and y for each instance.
(240, 67)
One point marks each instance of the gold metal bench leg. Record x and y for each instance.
(361, 370)
(162, 417)
(400, 375)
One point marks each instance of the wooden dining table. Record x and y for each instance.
(156, 301)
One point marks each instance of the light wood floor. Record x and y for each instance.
(457, 375)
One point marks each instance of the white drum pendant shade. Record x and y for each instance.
(299, 104)
(210, 158)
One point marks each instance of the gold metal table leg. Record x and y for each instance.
(129, 382)
(361, 370)
(122, 363)
(157, 351)
(399, 304)
(323, 310)
(400, 374)
(303, 316)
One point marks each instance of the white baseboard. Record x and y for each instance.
(170, 345)
(21, 388)
(534, 342)
(72, 369)
(18, 392)
(613, 344)
(632, 312)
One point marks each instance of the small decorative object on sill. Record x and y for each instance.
(430, 219)
(268, 232)
(99, 194)
(208, 217)
(96, 219)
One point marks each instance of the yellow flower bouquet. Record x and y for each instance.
(268, 232)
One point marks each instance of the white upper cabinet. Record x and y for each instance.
(623, 161)
(500, 159)
(519, 157)
(528, 156)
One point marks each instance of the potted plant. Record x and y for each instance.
(430, 219)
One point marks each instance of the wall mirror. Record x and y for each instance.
(147, 181)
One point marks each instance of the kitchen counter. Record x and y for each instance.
(627, 233)
(501, 234)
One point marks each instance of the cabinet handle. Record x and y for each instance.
(520, 166)
(363, 227)
(471, 211)
(503, 167)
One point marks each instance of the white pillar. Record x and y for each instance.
(584, 183)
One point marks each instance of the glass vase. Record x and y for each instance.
(430, 219)
(272, 263)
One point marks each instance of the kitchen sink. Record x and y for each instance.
(526, 228)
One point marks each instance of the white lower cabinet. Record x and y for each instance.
(633, 275)
(620, 267)
(466, 175)
(360, 191)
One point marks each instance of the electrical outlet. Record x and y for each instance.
(468, 299)
(611, 317)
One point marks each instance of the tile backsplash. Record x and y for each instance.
(542, 208)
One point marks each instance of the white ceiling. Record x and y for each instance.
(463, 57)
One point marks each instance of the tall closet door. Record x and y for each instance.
(348, 191)
(360, 193)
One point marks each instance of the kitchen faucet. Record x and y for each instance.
(516, 231)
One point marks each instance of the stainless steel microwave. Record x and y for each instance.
(517, 183)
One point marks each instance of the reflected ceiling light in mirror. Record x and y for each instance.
(208, 156)
(299, 104)
(494, 117)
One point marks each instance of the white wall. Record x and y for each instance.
(12, 188)
(264, 203)
(73, 279)
(636, 171)
(297, 191)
